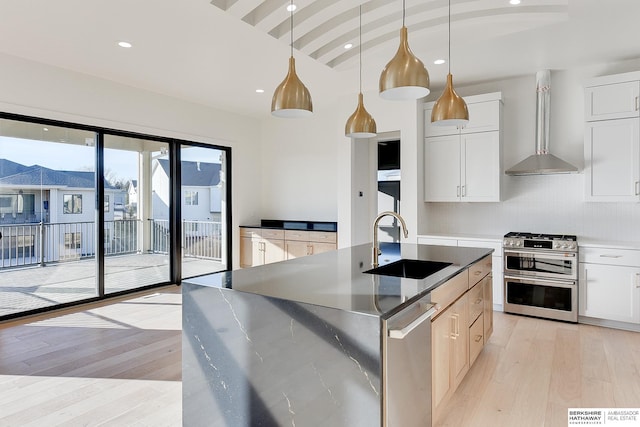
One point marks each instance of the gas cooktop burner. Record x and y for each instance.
(541, 236)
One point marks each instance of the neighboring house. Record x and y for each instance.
(64, 200)
(201, 190)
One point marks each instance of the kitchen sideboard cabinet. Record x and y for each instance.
(609, 287)
(264, 245)
(260, 246)
(612, 138)
(465, 164)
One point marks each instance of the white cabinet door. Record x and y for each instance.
(610, 292)
(483, 117)
(437, 130)
(481, 168)
(442, 169)
(612, 101)
(612, 160)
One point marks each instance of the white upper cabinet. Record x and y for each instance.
(465, 164)
(484, 116)
(612, 139)
(612, 101)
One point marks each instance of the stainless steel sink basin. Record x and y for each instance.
(409, 268)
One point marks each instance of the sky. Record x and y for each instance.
(119, 164)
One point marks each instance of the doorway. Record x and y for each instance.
(388, 179)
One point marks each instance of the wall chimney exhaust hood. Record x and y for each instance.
(542, 162)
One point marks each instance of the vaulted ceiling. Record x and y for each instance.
(218, 52)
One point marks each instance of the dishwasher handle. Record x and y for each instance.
(400, 333)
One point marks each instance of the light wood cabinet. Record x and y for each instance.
(465, 164)
(609, 285)
(612, 138)
(458, 330)
(259, 246)
(300, 243)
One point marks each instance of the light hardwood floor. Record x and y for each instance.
(118, 364)
(113, 364)
(532, 370)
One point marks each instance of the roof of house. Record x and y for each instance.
(39, 175)
(196, 174)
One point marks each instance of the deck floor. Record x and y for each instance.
(29, 288)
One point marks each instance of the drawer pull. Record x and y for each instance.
(478, 338)
(637, 280)
(478, 301)
(610, 256)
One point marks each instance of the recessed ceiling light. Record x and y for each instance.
(125, 44)
(259, 90)
(45, 129)
(291, 7)
(439, 61)
(348, 45)
(514, 1)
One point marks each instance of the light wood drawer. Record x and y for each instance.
(296, 235)
(480, 269)
(323, 236)
(250, 232)
(610, 256)
(446, 294)
(268, 233)
(476, 302)
(476, 339)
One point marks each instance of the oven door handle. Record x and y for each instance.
(541, 254)
(559, 283)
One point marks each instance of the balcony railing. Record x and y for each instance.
(38, 244)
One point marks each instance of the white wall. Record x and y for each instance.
(299, 173)
(39, 90)
(549, 203)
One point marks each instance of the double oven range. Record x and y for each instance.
(541, 275)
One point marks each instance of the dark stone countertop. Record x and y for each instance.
(336, 279)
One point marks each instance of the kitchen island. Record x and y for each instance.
(301, 342)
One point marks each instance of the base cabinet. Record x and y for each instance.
(460, 330)
(259, 246)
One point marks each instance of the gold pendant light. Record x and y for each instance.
(291, 98)
(360, 124)
(450, 109)
(405, 76)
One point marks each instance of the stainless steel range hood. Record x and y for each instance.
(542, 162)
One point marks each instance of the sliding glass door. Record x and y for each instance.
(87, 213)
(203, 209)
(136, 213)
(47, 216)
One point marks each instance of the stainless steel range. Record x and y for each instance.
(541, 275)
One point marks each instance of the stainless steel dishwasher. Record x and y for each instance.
(406, 376)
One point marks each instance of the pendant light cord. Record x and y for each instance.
(360, 47)
(449, 36)
(291, 21)
(403, 10)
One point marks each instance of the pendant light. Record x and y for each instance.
(360, 124)
(291, 98)
(450, 109)
(405, 76)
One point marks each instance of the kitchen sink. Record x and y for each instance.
(409, 268)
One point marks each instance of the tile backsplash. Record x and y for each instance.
(539, 203)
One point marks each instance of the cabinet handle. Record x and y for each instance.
(610, 256)
(478, 301)
(637, 188)
(637, 280)
(478, 338)
(309, 249)
(586, 293)
(637, 104)
(464, 191)
(455, 334)
(458, 191)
